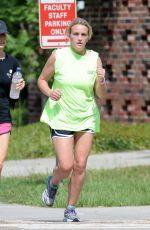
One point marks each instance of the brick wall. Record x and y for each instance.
(122, 38)
(34, 102)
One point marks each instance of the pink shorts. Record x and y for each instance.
(5, 127)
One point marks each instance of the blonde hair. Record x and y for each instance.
(80, 21)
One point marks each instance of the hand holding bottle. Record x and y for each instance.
(17, 84)
(20, 85)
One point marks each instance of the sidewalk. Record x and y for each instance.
(20, 217)
(99, 161)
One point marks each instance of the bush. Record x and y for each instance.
(33, 141)
(19, 114)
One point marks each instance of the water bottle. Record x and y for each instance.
(14, 93)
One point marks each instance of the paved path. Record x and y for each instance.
(26, 217)
(99, 161)
(19, 217)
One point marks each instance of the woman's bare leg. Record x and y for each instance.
(4, 141)
(83, 143)
(64, 152)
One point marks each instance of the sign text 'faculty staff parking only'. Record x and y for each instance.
(54, 17)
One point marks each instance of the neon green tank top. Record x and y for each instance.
(75, 75)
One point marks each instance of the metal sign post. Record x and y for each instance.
(54, 18)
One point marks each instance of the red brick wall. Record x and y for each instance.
(34, 102)
(122, 38)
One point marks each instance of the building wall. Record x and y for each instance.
(122, 38)
(34, 102)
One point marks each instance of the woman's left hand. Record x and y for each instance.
(20, 85)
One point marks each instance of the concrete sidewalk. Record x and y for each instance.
(99, 161)
(20, 217)
(26, 217)
(98, 214)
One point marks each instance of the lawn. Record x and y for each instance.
(33, 140)
(115, 187)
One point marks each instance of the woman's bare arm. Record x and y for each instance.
(47, 73)
(100, 85)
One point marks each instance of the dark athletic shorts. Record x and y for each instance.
(66, 133)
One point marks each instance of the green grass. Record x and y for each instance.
(33, 141)
(117, 136)
(30, 141)
(117, 187)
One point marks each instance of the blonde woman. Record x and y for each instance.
(71, 111)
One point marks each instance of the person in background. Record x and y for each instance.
(8, 65)
(71, 111)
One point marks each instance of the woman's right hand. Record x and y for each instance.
(55, 95)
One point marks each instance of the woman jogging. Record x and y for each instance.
(71, 111)
(8, 66)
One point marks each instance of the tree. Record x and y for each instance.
(22, 20)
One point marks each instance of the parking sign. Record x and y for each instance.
(54, 17)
